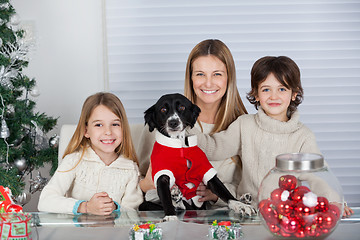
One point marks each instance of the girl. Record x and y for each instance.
(276, 92)
(99, 171)
(210, 83)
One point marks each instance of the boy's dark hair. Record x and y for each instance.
(285, 71)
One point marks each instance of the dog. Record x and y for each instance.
(176, 158)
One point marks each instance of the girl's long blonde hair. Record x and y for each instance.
(79, 142)
(231, 105)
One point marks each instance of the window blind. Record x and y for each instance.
(148, 43)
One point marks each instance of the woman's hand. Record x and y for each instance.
(147, 183)
(100, 204)
(207, 194)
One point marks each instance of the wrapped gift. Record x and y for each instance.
(225, 230)
(6, 202)
(147, 231)
(15, 226)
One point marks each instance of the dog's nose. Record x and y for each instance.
(173, 123)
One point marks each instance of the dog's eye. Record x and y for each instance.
(163, 110)
(181, 108)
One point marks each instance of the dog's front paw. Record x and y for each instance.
(242, 208)
(170, 218)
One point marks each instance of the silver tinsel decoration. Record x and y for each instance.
(4, 130)
(23, 198)
(38, 183)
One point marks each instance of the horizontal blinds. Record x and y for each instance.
(148, 43)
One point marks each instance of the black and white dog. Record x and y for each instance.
(176, 158)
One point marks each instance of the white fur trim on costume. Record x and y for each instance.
(192, 140)
(209, 175)
(167, 173)
(195, 200)
(190, 185)
(166, 141)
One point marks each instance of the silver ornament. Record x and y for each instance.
(35, 92)
(15, 19)
(4, 130)
(54, 141)
(20, 164)
(23, 198)
(38, 183)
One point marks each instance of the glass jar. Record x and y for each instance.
(300, 197)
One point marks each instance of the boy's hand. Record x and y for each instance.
(206, 194)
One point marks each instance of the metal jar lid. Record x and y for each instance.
(299, 161)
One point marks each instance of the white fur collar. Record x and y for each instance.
(174, 142)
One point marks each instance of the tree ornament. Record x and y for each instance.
(299, 192)
(285, 207)
(23, 198)
(4, 130)
(287, 182)
(15, 19)
(335, 210)
(289, 224)
(322, 204)
(54, 141)
(38, 183)
(35, 92)
(310, 199)
(20, 164)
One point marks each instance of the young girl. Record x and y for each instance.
(99, 171)
(276, 92)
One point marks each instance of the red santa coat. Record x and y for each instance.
(185, 166)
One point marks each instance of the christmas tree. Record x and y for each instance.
(24, 146)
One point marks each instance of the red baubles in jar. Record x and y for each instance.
(300, 197)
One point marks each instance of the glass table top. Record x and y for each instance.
(129, 218)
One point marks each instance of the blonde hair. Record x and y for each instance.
(79, 142)
(231, 105)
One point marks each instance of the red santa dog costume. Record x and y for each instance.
(186, 166)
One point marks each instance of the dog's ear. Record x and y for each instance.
(195, 114)
(150, 118)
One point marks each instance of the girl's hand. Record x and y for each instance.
(207, 194)
(100, 204)
(347, 211)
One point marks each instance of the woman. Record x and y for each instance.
(210, 83)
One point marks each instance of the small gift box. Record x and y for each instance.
(147, 231)
(225, 230)
(15, 226)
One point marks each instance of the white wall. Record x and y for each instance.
(67, 61)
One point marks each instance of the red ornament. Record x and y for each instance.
(300, 233)
(289, 224)
(335, 210)
(322, 204)
(285, 208)
(299, 192)
(276, 195)
(287, 182)
(262, 203)
(268, 213)
(14, 208)
(302, 210)
(311, 231)
(274, 228)
(326, 220)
